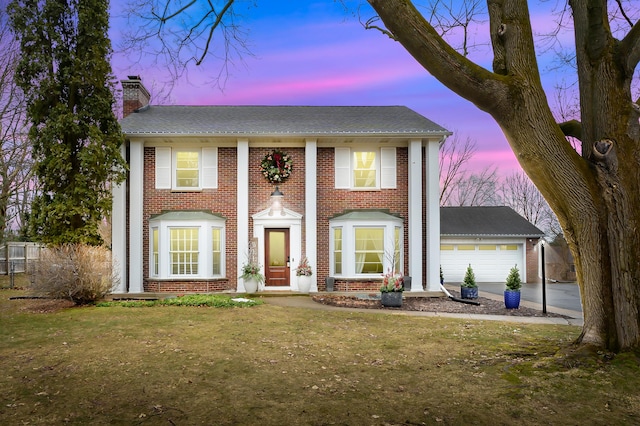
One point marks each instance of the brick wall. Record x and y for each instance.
(532, 260)
(221, 201)
(333, 201)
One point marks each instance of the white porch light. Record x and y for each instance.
(276, 203)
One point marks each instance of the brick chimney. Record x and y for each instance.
(134, 95)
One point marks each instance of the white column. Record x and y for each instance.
(310, 210)
(433, 216)
(119, 232)
(242, 208)
(136, 194)
(415, 214)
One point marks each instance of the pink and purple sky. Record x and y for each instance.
(315, 53)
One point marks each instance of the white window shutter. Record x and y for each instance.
(210, 167)
(163, 167)
(388, 168)
(342, 174)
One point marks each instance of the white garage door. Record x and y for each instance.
(490, 262)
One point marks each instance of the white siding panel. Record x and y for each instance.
(342, 160)
(163, 167)
(210, 167)
(388, 168)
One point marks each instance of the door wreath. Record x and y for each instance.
(276, 166)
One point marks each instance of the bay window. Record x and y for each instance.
(186, 244)
(365, 243)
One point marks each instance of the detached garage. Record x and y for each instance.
(491, 239)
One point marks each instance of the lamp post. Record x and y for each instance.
(544, 281)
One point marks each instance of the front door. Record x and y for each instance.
(276, 257)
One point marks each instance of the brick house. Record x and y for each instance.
(361, 198)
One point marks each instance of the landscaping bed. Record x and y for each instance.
(432, 304)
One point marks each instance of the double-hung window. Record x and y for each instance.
(365, 243)
(186, 244)
(186, 169)
(365, 168)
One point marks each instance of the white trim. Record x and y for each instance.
(242, 208)
(348, 227)
(290, 220)
(342, 169)
(163, 167)
(385, 166)
(119, 232)
(209, 167)
(205, 247)
(415, 214)
(388, 172)
(432, 260)
(136, 195)
(310, 208)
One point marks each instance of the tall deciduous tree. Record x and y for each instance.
(594, 190)
(595, 194)
(519, 193)
(15, 153)
(65, 73)
(460, 186)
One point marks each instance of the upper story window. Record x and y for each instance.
(186, 169)
(365, 169)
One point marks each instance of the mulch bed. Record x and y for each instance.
(432, 304)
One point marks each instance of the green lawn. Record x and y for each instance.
(268, 365)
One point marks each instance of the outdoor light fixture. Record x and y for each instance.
(276, 203)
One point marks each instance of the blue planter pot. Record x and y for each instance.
(511, 299)
(391, 299)
(469, 292)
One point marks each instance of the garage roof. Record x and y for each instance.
(484, 221)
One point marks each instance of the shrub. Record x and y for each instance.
(76, 272)
(469, 278)
(514, 283)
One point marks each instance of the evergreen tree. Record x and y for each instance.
(469, 278)
(65, 73)
(514, 283)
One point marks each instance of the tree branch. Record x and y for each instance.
(572, 128)
(485, 89)
(369, 25)
(630, 47)
(215, 25)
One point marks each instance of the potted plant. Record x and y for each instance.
(391, 289)
(251, 276)
(304, 273)
(512, 293)
(469, 288)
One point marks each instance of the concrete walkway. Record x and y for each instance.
(304, 301)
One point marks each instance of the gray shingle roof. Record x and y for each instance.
(279, 120)
(498, 221)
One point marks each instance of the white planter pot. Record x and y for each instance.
(250, 286)
(304, 283)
